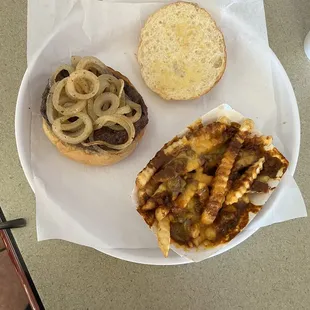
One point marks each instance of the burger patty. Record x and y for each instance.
(105, 133)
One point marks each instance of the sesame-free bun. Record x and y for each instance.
(86, 155)
(182, 52)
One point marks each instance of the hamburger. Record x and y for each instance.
(92, 113)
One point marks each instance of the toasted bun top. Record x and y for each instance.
(182, 52)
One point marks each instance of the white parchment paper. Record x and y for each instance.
(92, 205)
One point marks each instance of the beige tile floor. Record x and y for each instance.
(12, 294)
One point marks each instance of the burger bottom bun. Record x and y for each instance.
(87, 156)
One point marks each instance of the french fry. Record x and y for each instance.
(246, 158)
(161, 188)
(142, 197)
(197, 125)
(264, 141)
(161, 158)
(219, 187)
(151, 187)
(245, 182)
(144, 176)
(202, 178)
(163, 235)
(209, 137)
(148, 217)
(224, 120)
(189, 192)
(151, 203)
(161, 212)
(197, 241)
(210, 233)
(193, 163)
(177, 145)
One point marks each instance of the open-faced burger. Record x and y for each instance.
(92, 113)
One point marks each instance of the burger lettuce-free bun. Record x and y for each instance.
(182, 52)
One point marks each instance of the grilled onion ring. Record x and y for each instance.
(67, 68)
(71, 107)
(103, 85)
(105, 99)
(121, 88)
(93, 95)
(115, 84)
(82, 86)
(122, 95)
(137, 108)
(51, 112)
(94, 146)
(118, 119)
(72, 125)
(90, 109)
(82, 74)
(90, 62)
(76, 137)
(123, 110)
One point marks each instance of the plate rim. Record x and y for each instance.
(124, 254)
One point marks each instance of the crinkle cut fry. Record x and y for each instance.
(245, 182)
(145, 193)
(275, 153)
(211, 133)
(219, 186)
(248, 157)
(209, 137)
(151, 204)
(189, 192)
(264, 141)
(174, 146)
(163, 235)
(144, 176)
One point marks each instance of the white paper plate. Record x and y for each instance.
(286, 124)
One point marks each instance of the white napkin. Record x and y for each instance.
(54, 216)
(49, 14)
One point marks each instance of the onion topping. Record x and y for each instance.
(75, 137)
(92, 63)
(85, 97)
(61, 71)
(120, 120)
(105, 100)
(66, 107)
(77, 77)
